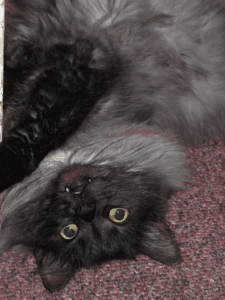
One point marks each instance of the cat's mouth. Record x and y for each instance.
(79, 190)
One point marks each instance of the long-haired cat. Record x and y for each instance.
(100, 98)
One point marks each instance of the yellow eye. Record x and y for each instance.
(118, 215)
(69, 232)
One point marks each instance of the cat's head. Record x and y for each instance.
(92, 214)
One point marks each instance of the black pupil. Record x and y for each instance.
(119, 215)
(69, 232)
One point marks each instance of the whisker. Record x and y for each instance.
(158, 196)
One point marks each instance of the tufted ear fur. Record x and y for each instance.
(55, 273)
(159, 243)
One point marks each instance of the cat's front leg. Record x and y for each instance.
(55, 102)
(13, 164)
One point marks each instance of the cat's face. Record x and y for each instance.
(90, 215)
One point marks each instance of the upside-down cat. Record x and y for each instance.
(99, 99)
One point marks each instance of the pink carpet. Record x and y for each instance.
(197, 215)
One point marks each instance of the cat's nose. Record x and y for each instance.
(86, 212)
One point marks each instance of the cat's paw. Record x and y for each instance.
(85, 66)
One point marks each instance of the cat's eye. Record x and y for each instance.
(118, 215)
(69, 232)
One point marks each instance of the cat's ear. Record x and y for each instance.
(159, 243)
(54, 273)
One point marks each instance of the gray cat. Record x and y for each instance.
(100, 97)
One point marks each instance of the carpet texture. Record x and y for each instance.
(197, 216)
